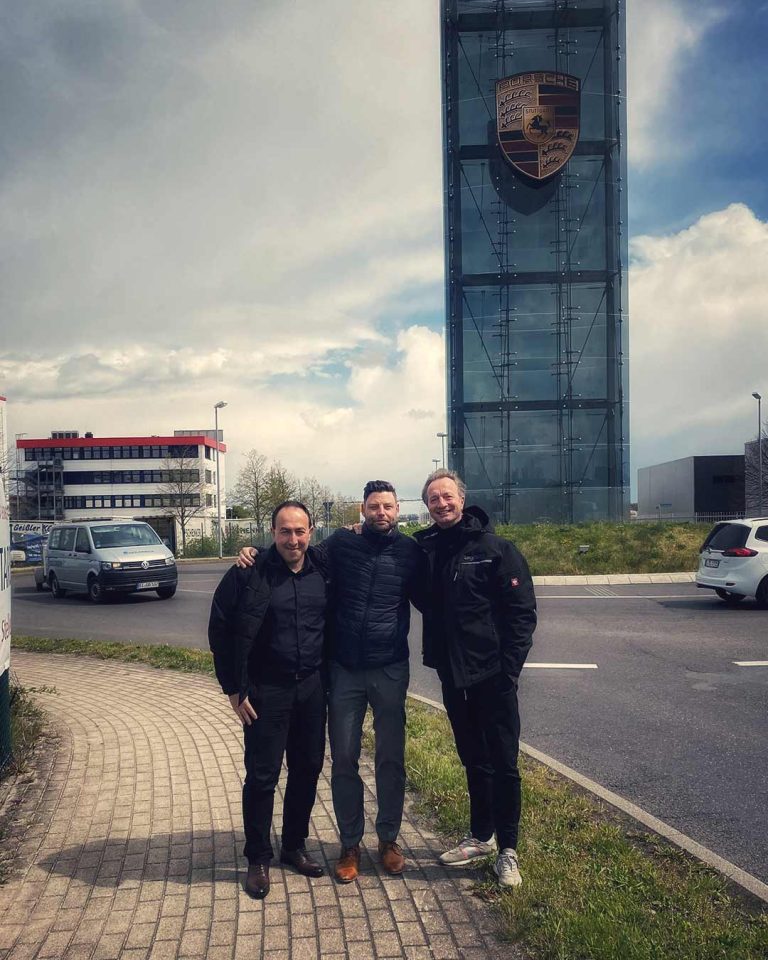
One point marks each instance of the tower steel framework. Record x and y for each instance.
(536, 303)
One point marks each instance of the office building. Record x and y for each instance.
(67, 477)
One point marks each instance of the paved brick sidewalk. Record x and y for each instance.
(127, 844)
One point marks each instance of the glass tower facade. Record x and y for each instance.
(534, 120)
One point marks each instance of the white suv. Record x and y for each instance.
(734, 560)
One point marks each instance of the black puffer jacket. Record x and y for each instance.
(374, 575)
(488, 605)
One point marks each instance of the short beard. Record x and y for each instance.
(369, 524)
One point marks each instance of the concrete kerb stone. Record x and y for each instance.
(612, 579)
(130, 838)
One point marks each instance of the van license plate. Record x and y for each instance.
(711, 563)
(148, 585)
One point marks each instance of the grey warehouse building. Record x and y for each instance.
(702, 488)
(534, 121)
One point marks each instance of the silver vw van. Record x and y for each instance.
(107, 557)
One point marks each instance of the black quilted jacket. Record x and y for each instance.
(373, 577)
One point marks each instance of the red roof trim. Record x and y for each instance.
(48, 443)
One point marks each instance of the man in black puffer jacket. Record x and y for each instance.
(373, 575)
(478, 630)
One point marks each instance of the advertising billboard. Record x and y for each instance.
(28, 537)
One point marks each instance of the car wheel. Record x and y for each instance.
(762, 593)
(95, 590)
(165, 593)
(56, 590)
(730, 598)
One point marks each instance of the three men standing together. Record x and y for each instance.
(476, 596)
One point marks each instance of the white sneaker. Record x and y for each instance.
(468, 851)
(506, 868)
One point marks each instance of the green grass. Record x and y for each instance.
(553, 549)
(592, 888)
(160, 655)
(595, 888)
(27, 723)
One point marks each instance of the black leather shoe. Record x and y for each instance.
(302, 862)
(257, 880)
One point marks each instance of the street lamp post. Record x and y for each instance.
(435, 461)
(759, 399)
(18, 477)
(442, 444)
(216, 407)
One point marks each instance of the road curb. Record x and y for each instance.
(745, 880)
(612, 579)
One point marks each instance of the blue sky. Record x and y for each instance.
(242, 201)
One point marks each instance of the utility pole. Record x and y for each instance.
(216, 407)
(759, 399)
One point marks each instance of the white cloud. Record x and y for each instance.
(698, 336)
(364, 427)
(661, 35)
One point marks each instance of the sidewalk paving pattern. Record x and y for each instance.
(128, 842)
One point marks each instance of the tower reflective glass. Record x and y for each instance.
(534, 121)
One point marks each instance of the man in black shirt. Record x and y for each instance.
(266, 632)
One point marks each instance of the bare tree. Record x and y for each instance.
(345, 510)
(181, 489)
(313, 495)
(280, 485)
(753, 501)
(250, 490)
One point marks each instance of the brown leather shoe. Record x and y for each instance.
(391, 857)
(301, 861)
(257, 880)
(348, 864)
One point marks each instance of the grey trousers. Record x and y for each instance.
(384, 688)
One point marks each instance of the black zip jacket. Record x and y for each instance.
(487, 608)
(267, 622)
(374, 576)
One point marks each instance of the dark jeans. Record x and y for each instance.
(486, 727)
(291, 722)
(384, 688)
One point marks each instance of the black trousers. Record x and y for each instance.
(291, 723)
(486, 726)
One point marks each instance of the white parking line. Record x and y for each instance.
(751, 663)
(560, 666)
(632, 596)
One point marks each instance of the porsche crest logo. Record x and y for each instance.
(537, 121)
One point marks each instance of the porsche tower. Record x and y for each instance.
(534, 127)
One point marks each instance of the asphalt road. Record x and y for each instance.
(654, 708)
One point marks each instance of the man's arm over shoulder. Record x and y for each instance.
(516, 606)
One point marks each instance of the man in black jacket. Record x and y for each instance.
(373, 574)
(478, 630)
(266, 632)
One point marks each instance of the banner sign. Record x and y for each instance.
(28, 537)
(5, 563)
